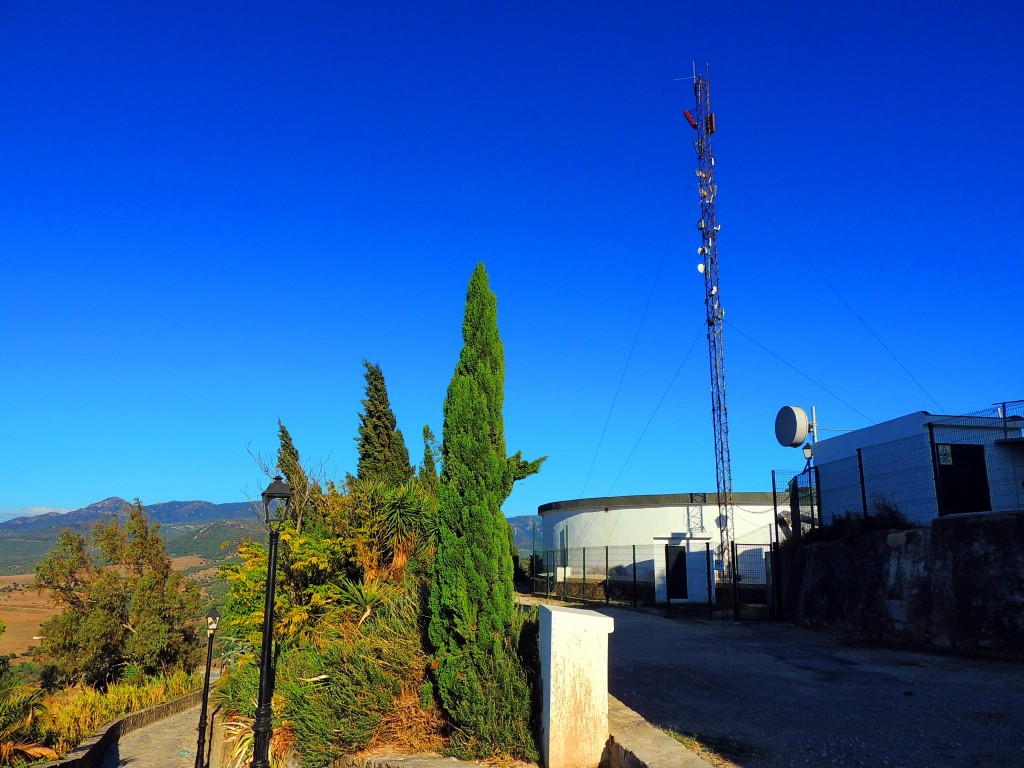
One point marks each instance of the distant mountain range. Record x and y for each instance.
(522, 530)
(212, 531)
(185, 513)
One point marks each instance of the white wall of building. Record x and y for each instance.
(650, 523)
(896, 457)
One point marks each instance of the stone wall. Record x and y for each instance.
(958, 584)
(90, 753)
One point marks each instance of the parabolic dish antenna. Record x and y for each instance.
(791, 426)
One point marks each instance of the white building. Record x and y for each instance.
(925, 465)
(605, 529)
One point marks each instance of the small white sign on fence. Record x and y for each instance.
(945, 454)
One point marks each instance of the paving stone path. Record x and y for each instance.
(169, 743)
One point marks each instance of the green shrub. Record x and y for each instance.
(884, 516)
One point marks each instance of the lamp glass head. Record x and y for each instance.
(277, 500)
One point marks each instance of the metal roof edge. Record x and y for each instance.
(653, 500)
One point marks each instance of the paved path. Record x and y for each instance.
(169, 743)
(781, 696)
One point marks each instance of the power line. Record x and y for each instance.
(662, 400)
(632, 348)
(832, 288)
(675, 375)
(793, 367)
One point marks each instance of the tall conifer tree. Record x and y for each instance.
(382, 452)
(480, 680)
(428, 471)
(308, 496)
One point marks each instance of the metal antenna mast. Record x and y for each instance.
(704, 125)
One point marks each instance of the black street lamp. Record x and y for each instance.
(212, 620)
(277, 501)
(809, 469)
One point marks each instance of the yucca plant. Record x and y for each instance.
(21, 714)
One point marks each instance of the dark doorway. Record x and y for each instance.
(963, 479)
(675, 570)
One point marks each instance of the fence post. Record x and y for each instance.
(634, 575)
(775, 506)
(777, 580)
(935, 469)
(816, 491)
(735, 584)
(584, 574)
(863, 488)
(668, 597)
(810, 495)
(533, 557)
(533, 571)
(711, 604)
(547, 572)
(606, 585)
(565, 577)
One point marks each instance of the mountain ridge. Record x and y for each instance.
(193, 512)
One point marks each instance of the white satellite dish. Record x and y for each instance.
(791, 425)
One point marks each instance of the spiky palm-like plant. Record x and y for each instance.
(21, 710)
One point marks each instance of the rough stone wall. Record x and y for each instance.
(978, 581)
(958, 584)
(90, 753)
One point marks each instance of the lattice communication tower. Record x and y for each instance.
(703, 122)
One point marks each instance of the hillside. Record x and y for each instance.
(211, 531)
(166, 513)
(216, 541)
(522, 529)
(189, 528)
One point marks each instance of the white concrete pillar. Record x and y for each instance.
(574, 674)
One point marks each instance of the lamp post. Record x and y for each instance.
(276, 505)
(212, 620)
(809, 455)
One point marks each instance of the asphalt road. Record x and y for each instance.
(774, 695)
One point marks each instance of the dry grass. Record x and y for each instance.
(76, 713)
(721, 753)
(187, 561)
(23, 611)
(409, 728)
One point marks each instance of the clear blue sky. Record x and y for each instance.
(211, 213)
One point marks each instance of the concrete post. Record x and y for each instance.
(574, 674)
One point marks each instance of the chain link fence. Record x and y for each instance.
(684, 579)
(957, 464)
(796, 502)
(989, 442)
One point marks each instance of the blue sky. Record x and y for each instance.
(210, 214)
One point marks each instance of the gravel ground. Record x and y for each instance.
(774, 695)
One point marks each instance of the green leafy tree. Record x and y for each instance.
(134, 611)
(474, 624)
(382, 452)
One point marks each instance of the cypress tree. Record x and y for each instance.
(428, 472)
(382, 452)
(480, 680)
(308, 498)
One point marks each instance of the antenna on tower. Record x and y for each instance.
(702, 121)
